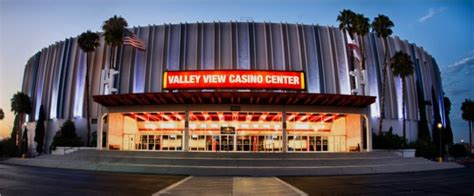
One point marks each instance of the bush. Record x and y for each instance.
(7, 147)
(458, 150)
(66, 136)
(94, 139)
(425, 149)
(388, 140)
(40, 131)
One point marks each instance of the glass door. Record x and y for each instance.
(244, 143)
(226, 142)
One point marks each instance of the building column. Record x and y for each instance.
(186, 131)
(100, 131)
(369, 133)
(285, 134)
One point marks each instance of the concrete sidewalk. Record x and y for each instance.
(238, 165)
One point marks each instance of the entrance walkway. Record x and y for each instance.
(199, 185)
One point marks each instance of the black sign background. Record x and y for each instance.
(227, 130)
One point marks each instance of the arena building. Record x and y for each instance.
(231, 87)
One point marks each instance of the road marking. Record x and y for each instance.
(239, 186)
(172, 186)
(291, 187)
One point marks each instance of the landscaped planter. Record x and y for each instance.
(406, 152)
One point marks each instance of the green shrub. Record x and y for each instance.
(388, 140)
(66, 136)
(7, 147)
(425, 149)
(458, 150)
(40, 131)
(94, 139)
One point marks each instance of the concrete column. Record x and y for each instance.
(285, 134)
(100, 130)
(369, 133)
(186, 131)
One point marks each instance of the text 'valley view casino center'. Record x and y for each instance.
(230, 87)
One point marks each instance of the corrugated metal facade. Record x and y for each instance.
(54, 76)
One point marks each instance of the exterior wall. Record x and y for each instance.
(54, 76)
(116, 129)
(339, 128)
(353, 131)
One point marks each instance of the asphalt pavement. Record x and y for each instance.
(442, 182)
(26, 180)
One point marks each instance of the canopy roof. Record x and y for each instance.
(258, 98)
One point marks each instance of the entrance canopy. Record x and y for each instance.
(262, 98)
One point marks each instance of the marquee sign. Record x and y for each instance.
(234, 79)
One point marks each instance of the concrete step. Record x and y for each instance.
(239, 164)
(258, 162)
(233, 155)
(275, 171)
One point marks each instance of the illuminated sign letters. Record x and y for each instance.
(234, 79)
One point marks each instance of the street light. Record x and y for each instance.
(439, 125)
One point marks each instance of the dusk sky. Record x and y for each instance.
(445, 29)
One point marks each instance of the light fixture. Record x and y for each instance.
(302, 126)
(249, 117)
(168, 125)
(150, 125)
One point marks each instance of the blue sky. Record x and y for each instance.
(444, 28)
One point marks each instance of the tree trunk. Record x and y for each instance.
(470, 137)
(353, 66)
(87, 95)
(111, 63)
(403, 109)
(384, 81)
(19, 135)
(362, 64)
(115, 57)
(362, 51)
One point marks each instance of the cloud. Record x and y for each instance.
(431, 13)
(467, 63)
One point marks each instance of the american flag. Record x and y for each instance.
(131, 40)
(354, 47)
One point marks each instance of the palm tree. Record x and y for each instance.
(88, 41)
(448, 133)
(346, 25)
(467, 109)
(114, 30)
(2, 115)
(21, 105)
(402, 66)
(39, 131)
(346, 21)
(382, 26)
(361, 28)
